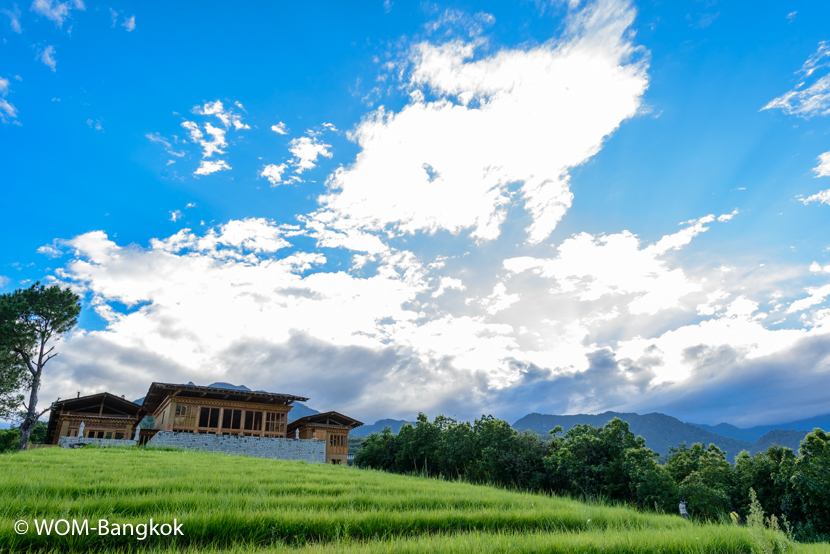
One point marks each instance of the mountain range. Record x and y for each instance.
(661, 431)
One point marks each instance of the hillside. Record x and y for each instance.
(754, 433)
(378, 426)
(260, 506)
(661, 431)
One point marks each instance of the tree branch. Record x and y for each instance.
(26, 359)
(43, 412)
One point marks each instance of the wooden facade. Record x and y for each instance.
(196, 409)
(331, 427)
(104, 415)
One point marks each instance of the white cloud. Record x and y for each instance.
(175, 215)
(56, 11)
(330, 127)
(823, 167)
(95, 124)
(726, 217)
(306, 150)
(279, 128)
(49, 250)
(206, 167)
(813, 100)
(4, 281)
(168, 147)
(499, 300)
(274, 173)
(218, 141)
(14, 18)
(816, 268)
(7, 111)
(523, 116)
(589, 268)
(822, 197)
(227, 117)
(817, 296)
(129, 23)
(47, 56)
(448, 283)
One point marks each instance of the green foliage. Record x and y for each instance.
(29, 318)
(811, 487)
(9, 440)
(768, 475)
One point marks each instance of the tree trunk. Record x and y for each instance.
(31, 415)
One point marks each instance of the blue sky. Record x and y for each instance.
(447, 207)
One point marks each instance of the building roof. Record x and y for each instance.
(159, 391)
(328, 419)
(102, 404)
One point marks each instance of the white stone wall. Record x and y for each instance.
(308, 450)
(75, 442)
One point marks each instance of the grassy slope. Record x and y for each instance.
(236, 503)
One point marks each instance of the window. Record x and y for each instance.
(108, 435)
(119, 436)
(231, 419)
(185, 416)
(209, 417)
(337, 440)
(253, 421)
(271, 424)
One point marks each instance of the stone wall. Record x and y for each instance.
(312, 451)
(75, 442)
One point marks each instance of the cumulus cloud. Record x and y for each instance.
(279, 128)
(273, 173)
(206, 167)
(306, 150)
(56, 11)
(47, 57)
(129, 23)
(823, 167)
(525, 117)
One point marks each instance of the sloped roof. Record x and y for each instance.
(159, 391)
(332, 419)
(102, 404)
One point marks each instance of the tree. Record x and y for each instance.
(29, 319)
(812, 485)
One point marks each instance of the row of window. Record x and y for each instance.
(92, 434)
(270, 422)
(338, 440)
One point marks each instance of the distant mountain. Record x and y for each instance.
(754, 433)
(300, 410)
(221, 385)
(661, 431)
(378, 426)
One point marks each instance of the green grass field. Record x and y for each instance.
(236, 504)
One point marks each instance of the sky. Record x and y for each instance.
(444, 207)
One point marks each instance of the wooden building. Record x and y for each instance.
(104, 415)
(331, 427)
(197, 409)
